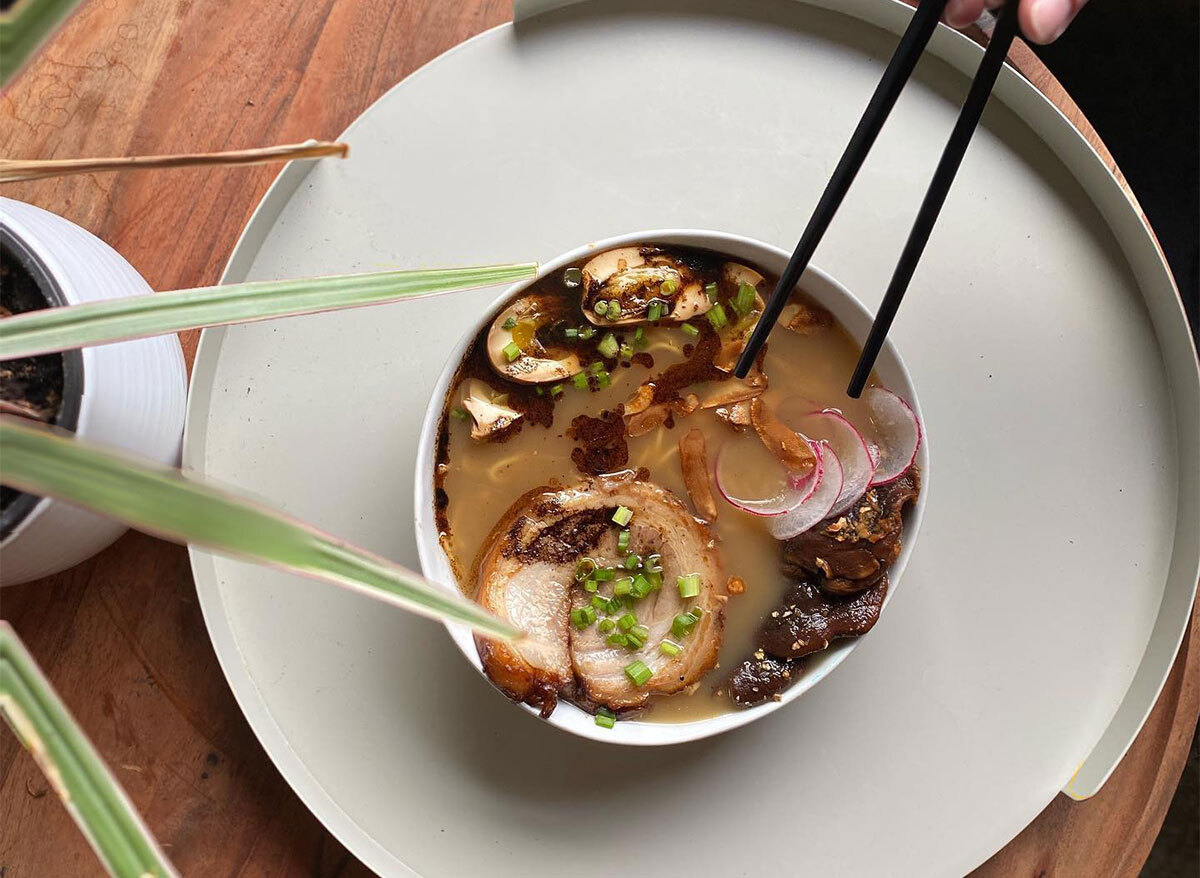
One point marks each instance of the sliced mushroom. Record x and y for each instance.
(634, 277)
(736, 333)
(737, 415)
(805, 317)
(786, 444)
(488, 412)
(517, 353)
(734, 390)
(693, 461)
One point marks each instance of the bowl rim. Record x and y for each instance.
(435, 566)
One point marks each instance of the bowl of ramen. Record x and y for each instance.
(686, 551)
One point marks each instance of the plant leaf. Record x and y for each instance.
(73, 326)
(24, 27)
(70, 763)
(167, 503)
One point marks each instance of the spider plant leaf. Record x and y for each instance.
(167, 503)
(70, 763)
(73, 326)
(24, 26)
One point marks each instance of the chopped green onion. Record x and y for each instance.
(639, 338)
(572, 277)
(712, 290)
(580, 381)
(606, 626)
(614, 309)
(601, 307)
(589, 614)
(512, 350)
(510, 323)
(654, 563)
(655, 580)
(556, 389)
(587, 332)
(682, 624)
(541, 391)
(690, 330)
(633, 562)
(670, 647)
(623, 586)
(595, 368)
(617, 639)
(716, 316)
(585, 568)
(640, 630)
(744, 303)
(669, 286)
(614, 606)
(606, 719)
(603, 574)
(638, 672)
(458, 413)
(627, 621)
(571, 332)
(641, 586)
(590, 585)
(635, 641)
(623, 516)
(582, 617)
(626, 352)
(623, 541)
(655, 311)
(696, 613)
(608, 346)
(599, 602)
(603, 379)
(689, 586)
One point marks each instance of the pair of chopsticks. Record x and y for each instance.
(912, 44)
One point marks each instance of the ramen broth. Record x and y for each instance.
(482, 479)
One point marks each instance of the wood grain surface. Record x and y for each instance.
(121, 636)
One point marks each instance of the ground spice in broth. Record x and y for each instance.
(579, 431)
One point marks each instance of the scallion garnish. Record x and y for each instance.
(634, 641)
(599, 602)
(655, 580)
(603, 379)
(614, 309)
(605, 718)
(603, 574)
(582, 617)
(595, 368)
(614, 606)
(654, 563)
(512, 350)
(626, 622)
(626, 352)
(458, 414)
(556, 389)
(689, 586)
(670, 647)
(716, 316)
(616, 639)
(510, 323)
(623, 586)
(608, 346)
(601, 307)
(590, 585)
(690, 330)
(585, 568)
(638, 672)
(639, 338)
(587, 332)
(623, 541)
(711, 290)
(633, 562)
(606, 626)
(589, 614)
(682, 624)
(696, 613)
(541, 391)
(571, 332)
(641, 586)
(669, 286)
(655, 311)
(640, 630)
(622, 516)
(744, 303)
(580, 381)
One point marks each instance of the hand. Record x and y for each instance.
(1042, 21)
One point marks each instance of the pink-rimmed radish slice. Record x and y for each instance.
(851, 449)
(816, 508)
(796, 490)
(897, 432)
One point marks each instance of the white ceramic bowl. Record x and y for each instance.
(825, 290)
(130, 395)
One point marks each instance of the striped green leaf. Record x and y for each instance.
(70, 763)
(60, 329)
(169, 504)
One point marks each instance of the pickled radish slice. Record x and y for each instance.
(851, 449)
(797, 488)
(897, 432)
(816, 508)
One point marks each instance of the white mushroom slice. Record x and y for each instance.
(527, 574)
(738, 274)
(489, 416)
(533, 363)
(726, 393)
(736, 333)
(804, 317)
(634, 277)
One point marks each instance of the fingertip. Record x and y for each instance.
(960, 13)
(1043, 21)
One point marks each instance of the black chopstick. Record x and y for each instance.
(899, 69)
(935, 197)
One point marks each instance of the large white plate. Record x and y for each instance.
(1054, 368)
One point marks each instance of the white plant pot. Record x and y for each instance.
(129, 395)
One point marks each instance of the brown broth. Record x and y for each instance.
(482, 479)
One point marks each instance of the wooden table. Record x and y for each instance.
(121, 636)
